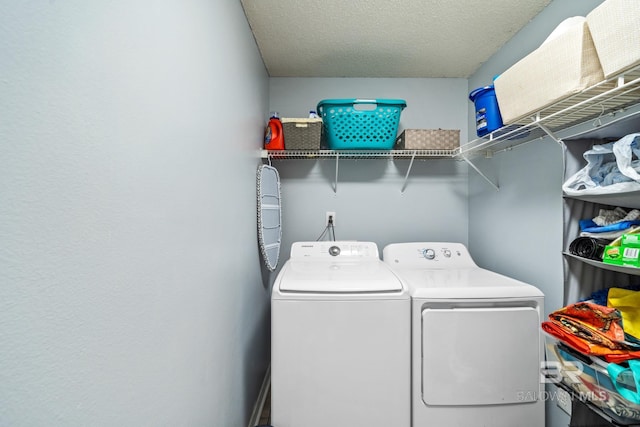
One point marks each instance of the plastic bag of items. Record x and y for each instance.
(611, 168)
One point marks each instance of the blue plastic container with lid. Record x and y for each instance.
(488, 116)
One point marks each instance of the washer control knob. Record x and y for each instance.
(429, 253)
(446, 253)
(334, 251)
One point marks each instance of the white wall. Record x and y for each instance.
(369, 204)
(130, 286)
(518, 230)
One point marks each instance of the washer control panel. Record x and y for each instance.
(428, 254)
(334, 250)
(438, 253)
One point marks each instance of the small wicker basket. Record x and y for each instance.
(301, 134)
(428, 139)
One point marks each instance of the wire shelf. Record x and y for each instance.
(614, 100)
(597, 104)
(358, 154)
(612, 97)
(607, 98)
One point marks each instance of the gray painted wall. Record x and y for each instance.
(127, 179)
(518, 230)
(130, 285)
(369, 204)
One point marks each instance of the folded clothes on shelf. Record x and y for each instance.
(592, 329)
(614, 216)
(609, 224)
(589, 226)
(596, 233)
(610, 387)
(625, 299)
(600, 297)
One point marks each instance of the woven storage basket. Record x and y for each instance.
(615, 28)
(565, 64)
(428, 139)
(301, 134)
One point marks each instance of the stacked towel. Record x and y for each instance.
(610, 224)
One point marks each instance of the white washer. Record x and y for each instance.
(340, 339)
(476, 345)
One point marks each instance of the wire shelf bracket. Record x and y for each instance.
(470, 163)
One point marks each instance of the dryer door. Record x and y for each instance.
(480, 356)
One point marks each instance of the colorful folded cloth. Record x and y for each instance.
(600, 296)
(587, 225)
(627, 302)
(631, 370)
(592, 329)
(610, 220)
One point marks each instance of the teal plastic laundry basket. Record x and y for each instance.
(361, 124)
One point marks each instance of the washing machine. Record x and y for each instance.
(476, 345)
(340, 339)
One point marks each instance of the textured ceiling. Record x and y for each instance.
(383, 38)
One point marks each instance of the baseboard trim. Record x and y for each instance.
(262, 397)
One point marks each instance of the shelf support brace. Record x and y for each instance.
(406, 176)
(548, 132)
(335, 183)
(480, 173)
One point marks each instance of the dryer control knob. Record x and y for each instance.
(429, 253)
(334, 251)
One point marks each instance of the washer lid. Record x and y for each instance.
(464, 283)
(363, 276)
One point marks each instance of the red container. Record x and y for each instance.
(274, 137)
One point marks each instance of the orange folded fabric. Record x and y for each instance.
(591, 329)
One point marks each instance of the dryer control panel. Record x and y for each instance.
(334, 250)
(428, 254)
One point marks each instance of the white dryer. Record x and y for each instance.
(340, 339)
(476, 345)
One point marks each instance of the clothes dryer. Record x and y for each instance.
(340, 339)
(476, 345)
